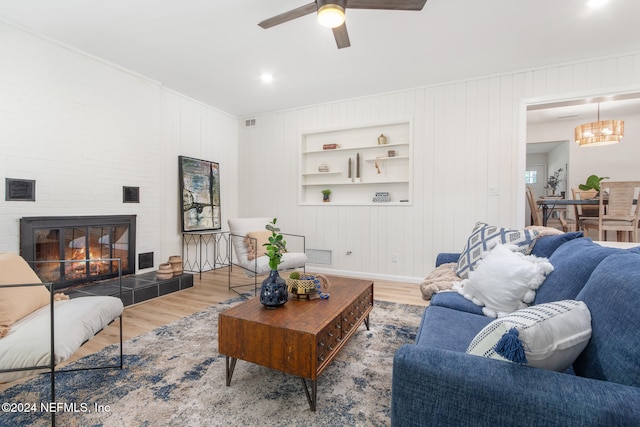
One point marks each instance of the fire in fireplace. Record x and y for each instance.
(82, 241)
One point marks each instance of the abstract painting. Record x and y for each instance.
(200, 189)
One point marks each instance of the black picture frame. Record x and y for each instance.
(20, 190)
(199, 194)
(130, 194)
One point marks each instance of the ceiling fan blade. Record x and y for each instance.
(288, 16)
(386, 4)
(341, 36)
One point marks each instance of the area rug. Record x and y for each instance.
(174, 375)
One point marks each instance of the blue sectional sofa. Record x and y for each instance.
(435, 382)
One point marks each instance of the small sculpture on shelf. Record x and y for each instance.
(323, 168)
(382, 140)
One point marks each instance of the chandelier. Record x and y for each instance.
(602, 132)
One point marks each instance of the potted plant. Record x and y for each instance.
(274, 288)
(593, 183)
(325, 195)
(554, 181)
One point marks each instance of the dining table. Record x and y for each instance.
(549, 204)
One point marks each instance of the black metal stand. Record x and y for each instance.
(202, 250)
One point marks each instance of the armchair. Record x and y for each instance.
(247, 236)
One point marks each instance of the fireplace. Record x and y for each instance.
(78, 239)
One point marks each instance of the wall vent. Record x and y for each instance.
(249, 123)
(145, 260)
(319, 256)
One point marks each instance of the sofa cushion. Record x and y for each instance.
(504, 280)
(545, 246)
(455, 301)
(548, 336)
(612, 295)
(17, 302)
(484, 237)
(448, 329)
(572, 263)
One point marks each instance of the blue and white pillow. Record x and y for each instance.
(549, 336)
(484, 237)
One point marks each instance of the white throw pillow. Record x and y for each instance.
(504, 280)
(551, 335)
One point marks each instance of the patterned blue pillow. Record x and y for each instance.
(484, 237)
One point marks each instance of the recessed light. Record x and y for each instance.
(594, 4)
(266, 77)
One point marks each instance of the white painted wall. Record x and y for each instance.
(468, 136)
(83, 129)
(68, 119)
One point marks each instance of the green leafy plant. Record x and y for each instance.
(554, 181)
(593, 183)
(325, 194)
(276, 246)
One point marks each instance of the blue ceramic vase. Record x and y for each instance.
(274, 291)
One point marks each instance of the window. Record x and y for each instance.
(531, 177)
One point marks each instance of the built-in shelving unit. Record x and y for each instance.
(382, 167)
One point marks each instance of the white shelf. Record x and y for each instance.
(322, 173)
(363, 147)
(378, 171)
(373, 159)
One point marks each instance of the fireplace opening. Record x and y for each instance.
(78, 240)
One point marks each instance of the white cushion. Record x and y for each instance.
(289, 260)
(504, 280)
(240, 227)
(484, 237)
(552, 335)
(28, 343)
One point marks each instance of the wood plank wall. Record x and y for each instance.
(468, 136)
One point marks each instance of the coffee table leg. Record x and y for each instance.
(366, 322)
(230, 367)
(311, 395)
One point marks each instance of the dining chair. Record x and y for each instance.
(536, 215)
(583, 212)
(621, 213)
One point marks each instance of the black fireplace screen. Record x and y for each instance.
(78, 239)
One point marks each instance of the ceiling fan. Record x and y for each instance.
(331, 14)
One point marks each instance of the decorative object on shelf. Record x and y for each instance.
(391, 153)
(308, 286)
(274, 292)
(382, 139)
(325, 195)
(554, 181)
(358, 179)
(593, 183)
(176, 264)
(323, 167)
(382, 197)
(377, 165)
(165, 271)
(601, 132)
(349, 178)
(329, 146)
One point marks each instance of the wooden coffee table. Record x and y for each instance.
(300, 338)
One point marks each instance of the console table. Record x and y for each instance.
(205, 250)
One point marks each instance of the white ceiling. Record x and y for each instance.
(214, 51)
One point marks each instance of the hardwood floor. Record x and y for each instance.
(211, 289)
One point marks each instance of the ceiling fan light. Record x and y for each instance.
(331, 15)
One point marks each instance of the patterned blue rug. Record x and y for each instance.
(174, 375)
